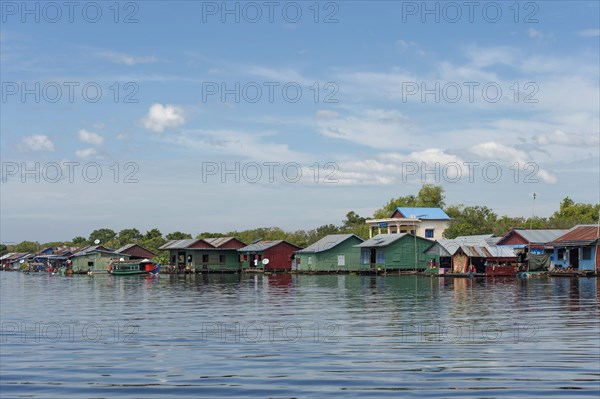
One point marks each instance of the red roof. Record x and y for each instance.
(579, 235)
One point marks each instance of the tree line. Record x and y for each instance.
(466, 220)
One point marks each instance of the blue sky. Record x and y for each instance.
(375, 93)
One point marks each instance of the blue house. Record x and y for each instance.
(578, 248)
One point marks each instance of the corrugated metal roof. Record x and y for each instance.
(179, 244)
(327, 242)
(579, 235)
(218, 241)
(381, 240)
(444, 247)
(260, 246)
(126, 247)
(538, 236)
(472, 246)
(6, 256)
(97, 248)
(423, 213)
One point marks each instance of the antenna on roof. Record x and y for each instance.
(534, 195)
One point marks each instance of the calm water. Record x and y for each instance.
(298, 336)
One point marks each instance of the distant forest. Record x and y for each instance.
(466, 220)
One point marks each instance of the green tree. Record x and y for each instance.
(470, 220)
(571, 213)
(129, 236)
(178, 235)
(79, 241)
(102, 235)
(431, 196)
(27, 246)
(3, 249)
(152, 240)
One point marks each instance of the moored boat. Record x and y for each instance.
(134, 266)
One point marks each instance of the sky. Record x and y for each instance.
(202, 116)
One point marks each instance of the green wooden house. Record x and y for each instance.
(333, 253)
(205, 255)
(395, 252)
(95, 259)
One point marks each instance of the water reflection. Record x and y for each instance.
(294, 335)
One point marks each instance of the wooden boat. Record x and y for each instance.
(135, 266)
(501, 270)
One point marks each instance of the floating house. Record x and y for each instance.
(11, 261)
(459, 254)
(394, 251)
(424, 222)
(205, 255)
(268, 256)
(533, 239)
(136, 251)
(94, 259)
(578, 248)
(333, 253)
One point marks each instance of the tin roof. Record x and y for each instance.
(327, 242)
(6, 256)
(381, 240)
(541, 236)
(97, 248)
(126, 247)
(260, 246)
(584, 234)
(423, 213)
(263, 245)
(218, 241)
(179, 244)
(476, 246)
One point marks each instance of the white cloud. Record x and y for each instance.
(498, 151)
(86, 153)
(589, 32)
(534, 33)
(90, 137)
(38, 142)
(127, 59)
(237, 143)
(567, 139)
(375, 128)
(160, 117)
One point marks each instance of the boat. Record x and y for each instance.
(134, 266)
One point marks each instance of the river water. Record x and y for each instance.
(298, 336)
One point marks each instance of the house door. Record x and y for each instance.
(373, 257)
(574, 258)
(181, 261)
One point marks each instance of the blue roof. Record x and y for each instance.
(424, 213)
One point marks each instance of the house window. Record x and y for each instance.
(586, 253)
(560, 254)
(309, 260)
(380, 256)
(173, 259)
(189, 258)
(428, 233)
(90, 264)
(205, 258)
(298, 259)
(221, 258)
(364, 256)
